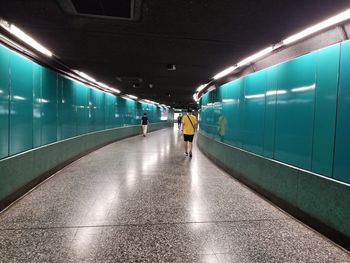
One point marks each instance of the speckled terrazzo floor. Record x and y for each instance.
(142, 200)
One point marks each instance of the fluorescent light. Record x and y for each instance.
(25, 38)
(14, 44)
(85, 76)
(225, 72)
(255, 56)
(201, 87)
(103, 85)
(255, 96)
(313, 29)
(131, 96)
(114, 90)
(108, 87)
(306, 88)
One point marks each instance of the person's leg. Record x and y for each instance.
(146, 129)
(185, 143)
(190, 145)
(143, 130)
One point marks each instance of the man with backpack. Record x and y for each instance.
(189, 123)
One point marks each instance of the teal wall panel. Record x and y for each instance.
(232, 101)
(204, 122)
(270, 112)
(342, 144)
(97, 110)
(118, 112)
(4, 101)
(254, 112)
(130, 112)
(110, 112)
(295, 111)
(325, 110)
(67, 109)
(37, 100)
(21, 104)
(223, 130)
(49, 107)
(82, 95)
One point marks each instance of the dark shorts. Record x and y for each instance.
(188, 138)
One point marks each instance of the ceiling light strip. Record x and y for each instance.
(131, 96)
(254, 57)
(37, 46)
(24, 37)
(305, 33)
(318, 27)
(225, 72)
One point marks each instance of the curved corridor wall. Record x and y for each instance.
(47, 119)
(285, 131)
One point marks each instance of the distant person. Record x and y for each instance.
(144, 124)
(179, 121)
(189, 123)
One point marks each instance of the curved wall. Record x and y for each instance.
(296, 112)
(284, 131)
(47, 120)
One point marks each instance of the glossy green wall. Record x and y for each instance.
(4, 102)
(49, 107)
(21, 104)
(38, 106)
(253, 112)
(293, 112)
(325, 110)
(342, 144)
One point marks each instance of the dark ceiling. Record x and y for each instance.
(200, 37)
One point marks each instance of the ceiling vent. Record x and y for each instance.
(109, 9)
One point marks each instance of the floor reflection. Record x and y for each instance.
(140, 200)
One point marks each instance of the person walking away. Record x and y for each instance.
(144, 124)
(189, 123)
(179, 121)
